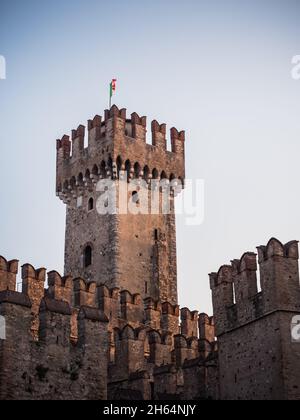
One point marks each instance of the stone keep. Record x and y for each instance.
(135, 252)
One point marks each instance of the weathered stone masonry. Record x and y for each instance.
(77, 340)
(41, 358)
(257, 358)
(133, 252)
(111, 327)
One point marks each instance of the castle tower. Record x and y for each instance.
(258, 356)
(127, 250)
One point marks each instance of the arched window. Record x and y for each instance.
(137, 170)
(146, 173)
(119, 165)
(103, 170)
(155, 173)
(163, 175)
(128, 169)
(95, 170)
(87, 256)
(80, 179)
(91, 204)
(73, 183)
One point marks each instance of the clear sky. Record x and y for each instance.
(219, 69)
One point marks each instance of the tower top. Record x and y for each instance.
(118, 143)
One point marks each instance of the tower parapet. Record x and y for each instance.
(8, 274)
(235, 294)
(189, 322)
(117, 143)
(60, 288)
(33, 285)
(279, 275)
(257, 358)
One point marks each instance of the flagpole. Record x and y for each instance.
(110, 95)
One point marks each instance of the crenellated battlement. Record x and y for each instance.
(117, 145)
(149, 346)
(189, 322)
(91, 331)
(234, 288)
(8, 274)
(84, 293)
(121, 307)
(60, 288)
(41, 321)
(90, 325)
(276, 248)
(115, 112)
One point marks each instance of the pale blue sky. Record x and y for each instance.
(219, 69)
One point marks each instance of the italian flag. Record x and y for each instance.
(113, 87)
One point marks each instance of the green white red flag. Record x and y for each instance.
(113, 87)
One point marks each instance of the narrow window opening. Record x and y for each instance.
(87, 256)
(128, 169)
(91, 204)
(156, 234)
